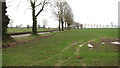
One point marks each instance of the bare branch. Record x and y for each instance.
(35, 0)
(9, 2)
(44, 2)
(38, 4)
(26, 10)
(19, 3)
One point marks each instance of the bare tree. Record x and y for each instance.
(91, 25)
(94, 25)
(85, 25)
(63, 14)
(41, 4)
(107, 26)
(100, 26)
(81, 26)
(68, 15)
(88, 25)
(97, 25)
(56, 11)
(28, 26)
(17, 26)
(111, 24)
(76, 25)
(44, 23)
(5, 22)
(103, 26)
(38, 25)
(115, 26)
(20, 26)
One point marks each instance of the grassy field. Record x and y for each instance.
(60, 50)
(26, 39)
(25, 30)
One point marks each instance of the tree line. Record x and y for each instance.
(63, 13)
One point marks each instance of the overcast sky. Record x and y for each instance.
(85, 12)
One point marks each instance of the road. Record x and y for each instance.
(22, 35)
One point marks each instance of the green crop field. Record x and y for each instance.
(63, 50)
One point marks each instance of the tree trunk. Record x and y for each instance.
(65, 25)
(68, 26)
(59, 25)
(62, 25)
(5, 22)
(34, 28)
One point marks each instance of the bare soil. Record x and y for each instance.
(95, 45)
(108, 41)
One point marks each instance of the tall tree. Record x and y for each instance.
(103, 26)
(115, 26)
(88, 25)
(56, 12)
(42, 4)
(44, 22)
(107, 26)
(85, 25)
(38, 25)
(91, 26)
(97, 25)
(68, 15)
(1, 33)
(63, 13)
(111, 24)
(94, 25)
(81, 26)
(28, 26)
(76, 25)
(5, 22)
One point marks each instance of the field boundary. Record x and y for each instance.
(30, 32)
(16, 43)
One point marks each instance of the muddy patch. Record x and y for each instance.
(95, 45)
(111, 41)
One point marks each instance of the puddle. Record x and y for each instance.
(20, 35)
(55, 31)
(89, 45)
(28, 34)
(116, 43)
(44, 33)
